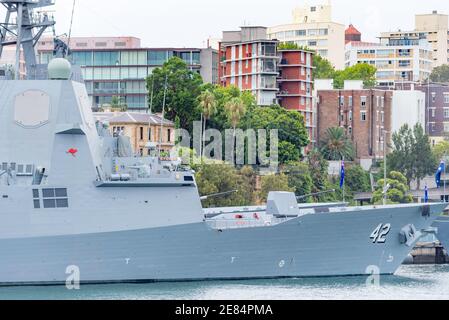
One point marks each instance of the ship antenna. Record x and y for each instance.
(163, 115)
(71, 23)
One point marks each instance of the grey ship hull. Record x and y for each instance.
(442, 223)
(309, 246)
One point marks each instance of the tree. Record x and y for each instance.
(274, 183)
(290, 126)
(323, 69)
(117, 103)
(412, 154)
(299, 178)
(236, 110)
(357, 179)
(217, 178)
(425, 161)
(208, 107)
(318, 168)
(440, 74)
(398, 191)
(337, 146)
(183, 89)
(361, 71)
(441, 150)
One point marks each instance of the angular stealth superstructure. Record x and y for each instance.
(71, 195)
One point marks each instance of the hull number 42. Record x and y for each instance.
(380, 234)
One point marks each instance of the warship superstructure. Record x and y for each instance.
(74, 196)
(442, 225)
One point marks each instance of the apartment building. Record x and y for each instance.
(434, 28)
(118, 66)
(398, 60)
(437, 110)
(249, 61)
(295, 82)
(253, 63)
(313, 28)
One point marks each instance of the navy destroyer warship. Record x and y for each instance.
(73, 195)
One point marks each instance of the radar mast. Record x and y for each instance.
(25, 30)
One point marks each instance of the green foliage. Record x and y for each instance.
(337, 146)
(217, 178)
(292, 133)
(357, 179)
(294, 46)
(361, 71)
(440, 74)
(299, 179)
(183, 89)
(412, 154)
(117, 103)
(274, 183)
(441, 150)
(318, 168)
(398, 192)
(323, 69)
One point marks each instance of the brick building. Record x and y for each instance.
(363, 113)
(295, 82)
(437, 110)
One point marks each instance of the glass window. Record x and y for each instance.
(82, 58)
(446, 98)
(62, 203)
(61, 193)
(157, 58)
(48, 193)
(37, 204)
(363, 115)
(49, 203)
(106, 58)
(35, 193)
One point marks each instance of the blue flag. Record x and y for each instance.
(440, 171)
(426, 195)
(342, 175)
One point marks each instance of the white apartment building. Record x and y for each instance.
(398, 61)
(408, 107)
(312, 27)
(432, 27)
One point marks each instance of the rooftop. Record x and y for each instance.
(131, 117)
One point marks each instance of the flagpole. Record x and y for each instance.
(344, 195)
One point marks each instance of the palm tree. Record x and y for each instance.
(337, 146)
(208, 106)
(236, 110)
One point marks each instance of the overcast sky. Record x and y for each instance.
(188, 23)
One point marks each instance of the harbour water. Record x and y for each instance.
(410, 282)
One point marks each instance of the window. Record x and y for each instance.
(446, 97)
(36, 200)
(434, 97)
(433, 112)
(149, 134)
(350, 115)
(382, 117)
(169, 135)
(446, 113)
(141, 133)
(350, 130)
(363, 115)
(342, 101)
(350, 101)
(53, 198)
(363, 102)
(446, 127)
(382, 102)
